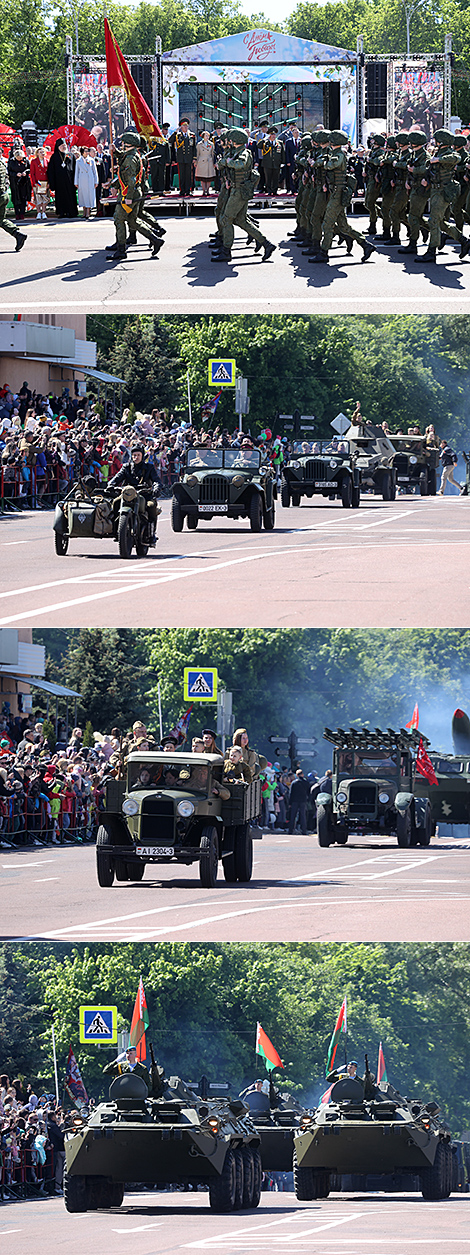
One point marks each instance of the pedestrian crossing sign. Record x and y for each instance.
(221, 372)
(98, 1024)
(200, 684)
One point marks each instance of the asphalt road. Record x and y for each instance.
(63, 265)
(343, 1224)
(389, 564)
(369, 890)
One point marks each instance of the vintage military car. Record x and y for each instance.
(374, 788)
(415, 465)
(177, 1139)
(365, 1127)
(166, 809)
(374, 456)
(324, 468)
(225, 483)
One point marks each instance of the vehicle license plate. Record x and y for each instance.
(161, 850)
(213, 509)
(323, 483)
(403, 479)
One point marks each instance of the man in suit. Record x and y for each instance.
(292, 145)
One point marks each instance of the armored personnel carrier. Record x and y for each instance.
(365, 1127)
(374, 457)
(175, 1139)
(374, 788)
(277, 1117)
(450, 799)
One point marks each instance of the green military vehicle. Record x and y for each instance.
(323, 468)
(374, 457)
(177, 1139)
(166, 809)
(450, 798)
(415, 465)
(368, 1128)
(374, 789)
(276, 1117)
(225, 483)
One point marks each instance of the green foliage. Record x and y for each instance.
(88, 740)
(49, 733)
(142, 356)
(109, 668)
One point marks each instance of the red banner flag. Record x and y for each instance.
(381, 1069)
(140, 1021)
(414, 721)
(424, 765)
(118, 75)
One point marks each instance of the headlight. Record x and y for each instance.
(191, 480)
(333, 464)
(238, 480)
(295, 465)
(214, 1124)
(413, 461)
(130, 806)
(185, 809)
(341, 797)
(384, 797)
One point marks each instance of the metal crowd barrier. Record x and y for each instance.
(21, 825)
(25, 1177)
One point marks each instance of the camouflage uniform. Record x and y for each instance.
(461, 174)
(418, 175)
(373, 180)
(9, 227)
(335, 217)
(399, 204)
(239, 173)
(387, 191)
(129, 183)
(443, 188)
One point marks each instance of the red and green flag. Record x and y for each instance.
(381, 1069)
(265, 1048)
(414, 721)
(341, 1026)
(139, 1023)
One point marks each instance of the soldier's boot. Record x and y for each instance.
(258, 245)
(442, 242)
(224, 255)
(349, 244)
(314, 248)
(158, 230)
(386, 234)
(395, 239)
(156, 245)
(293, 234)
(372, 227)
(132, 237)
(412, 247)
(367, 250)
(425, 234)
(321, 256)
(215, 240)
(268, 249)
(464, 247)
(20, 241)
(430, 255)
(112, 248)
(119, 253)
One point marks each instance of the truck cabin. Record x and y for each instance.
(193, 773)
(393, 765)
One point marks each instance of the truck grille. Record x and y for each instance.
(157, 821)
(318, 470)
(213, 490)
(362, 799)
(400, 463)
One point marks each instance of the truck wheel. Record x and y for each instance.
(116, 1191)
(432, 481)
(61, 542)
(192, 522)
(425, 833)
(346, 492)
(209, 861)
(304, 1182)
(239, 1173)
(434, 1179)
(222, 1190)
(356, 497)
(393, 487)
(285, 494)
(121, 869)
(341, 835)
(135, 871)
(243, 852)
(125, 536)
(257, 1177)
(404, 829)
(177, 519)
(256, 513)
(104, 859)
(228, 860)
(387, 486)
(296, 498)
(248, 1176)
(423, 484)
(268, 518)
(75, 1192)
(323, 826)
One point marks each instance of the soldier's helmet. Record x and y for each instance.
(443, 138)
(237, 137)
(338, 138)
(392, 143)
(460, 141)
(402, 139)
(418, 139)
(131, 138)
(379, 141)
(322, 137)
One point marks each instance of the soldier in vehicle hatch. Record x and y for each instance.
(119, 1067)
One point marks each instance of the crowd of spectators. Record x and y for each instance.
(32, 1127)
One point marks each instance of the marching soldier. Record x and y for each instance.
(444, 188)
(418, 185)
(129, 184)
(399, 204)
(339, 195)
(242, 181)
(320, 198)
(387, 189)
(271, 159)
(184, 153)
(374, 163)
(9, 227)
(461, 172)
(302, 168)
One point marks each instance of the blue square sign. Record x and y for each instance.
(200, 684)
(98, 1024)
(221, 372)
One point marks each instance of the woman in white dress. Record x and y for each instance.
(205, 168)
(86, 179)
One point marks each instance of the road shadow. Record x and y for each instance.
(202, 272)
(438, 275)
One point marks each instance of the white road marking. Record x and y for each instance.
(40, 863)
(139, 1228)
(43, 879)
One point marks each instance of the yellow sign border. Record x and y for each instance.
(227, 361)
(191, 697)
(108, 1041)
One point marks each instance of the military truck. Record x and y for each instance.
(276, 1117)
(374, 788)
(166, 809)
(323, 468)
(374, 456)
(225, 483)
(366, 1127)
(415, 465)
(450, 798)
(175, 1139)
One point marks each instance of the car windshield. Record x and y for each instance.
(407, 444)
(380, 764)
(243, 459)
(178, 773)
(200, 458)
(305, 448)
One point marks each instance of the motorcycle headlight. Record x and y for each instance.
(341, 797)
(333, 464)
(295, 465)
(384, 797)
(130, 806)
(185, 809)
(413, 461)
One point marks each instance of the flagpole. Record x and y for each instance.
(189, 398)
(160, 710)
(109, 109)
(54, 1055)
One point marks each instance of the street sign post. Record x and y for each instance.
(340, 423)
(224, 715)
(200, 684)
(296, 745)
(222, 372)
(98, 1024)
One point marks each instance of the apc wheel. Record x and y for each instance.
(248, 1176)
(239, 1172)
(104, 862)
(75, 1192)
(423, 484)
(222, 1191)
(323, 826)
(356, 498)
(243, 852)
(346, 492)
(257, 1177)
(116, 1191)
(125, 537)
(256, 513)
(434, 1180)
(425, 833)
(387, 486)
(322, 1184)
(404, 829)
(177, 518)
(61, 543)
(304, 1182)
(268, 518)
(285, 494)
(209, 861)
(192, 522)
